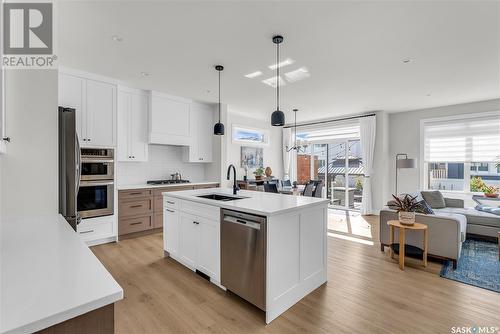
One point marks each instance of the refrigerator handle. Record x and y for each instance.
(78, 171)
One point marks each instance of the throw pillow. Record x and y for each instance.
(434, 198)
(425, 208)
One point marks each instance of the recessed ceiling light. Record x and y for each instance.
(117, 38)
(145, 74)
(283, 63)
(406, 61)
(253, 74)
(429, 94)
(272, 82)
(297, 75)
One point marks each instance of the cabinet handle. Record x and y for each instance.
(136, 223)
(88, 139)
(85, 232)
(135, 193)
(135, 206)
(170, 211)
(196, 223)
(7, 139)
(169, 202)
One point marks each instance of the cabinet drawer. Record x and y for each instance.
(170, 202)
(160, 191)
(207, 186)
(158, 204)
(137, 224)
(201, 210)
(95, 230)
(158, 220)
(136, 193)
(137, 207)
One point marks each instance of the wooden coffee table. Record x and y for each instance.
(402, 233)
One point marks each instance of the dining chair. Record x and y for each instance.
(270, 188)
(286, 183)
(308, 190)
(318, 191)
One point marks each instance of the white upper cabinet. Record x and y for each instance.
(132, 125)
(169, 120)
(202, 122)
(95, 104)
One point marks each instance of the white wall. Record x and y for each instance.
(273, 156)
(404, 134)
(163, 161)
(29, 170)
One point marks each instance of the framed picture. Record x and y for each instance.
(252, 157)
(245, 135)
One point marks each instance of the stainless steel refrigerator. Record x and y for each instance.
(69, 166)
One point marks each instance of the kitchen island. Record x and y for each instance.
(270, 249)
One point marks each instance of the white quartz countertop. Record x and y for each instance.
(144, 185)
(48, 275)
(256, 202)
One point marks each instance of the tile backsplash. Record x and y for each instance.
(163, 161)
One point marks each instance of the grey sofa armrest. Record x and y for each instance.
(454, 202)
(445, 237)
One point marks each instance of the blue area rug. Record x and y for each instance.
(478, 265)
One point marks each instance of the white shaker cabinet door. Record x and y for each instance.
(139, 127)
(72, 95)
(101, 111)
(171, 231)
(123, 126)
(188, 239)
(209, 248)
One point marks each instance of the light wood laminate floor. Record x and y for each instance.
(366, 292)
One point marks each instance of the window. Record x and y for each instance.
(248, 135)
(460, 153)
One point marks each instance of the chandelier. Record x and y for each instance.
(300, 145)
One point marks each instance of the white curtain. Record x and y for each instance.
(367, 130)
(287, 156)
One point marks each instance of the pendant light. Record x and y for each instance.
(277, 117)
(298, 146)
(219, 127)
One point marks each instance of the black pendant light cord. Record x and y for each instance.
(219, 96)
(278, 77)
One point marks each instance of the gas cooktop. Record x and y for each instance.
(167, 181)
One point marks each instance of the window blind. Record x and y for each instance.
(463, 140)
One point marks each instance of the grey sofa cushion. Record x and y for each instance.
(434, 198)
(474, 217)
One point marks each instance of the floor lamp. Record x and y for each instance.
(402, 161)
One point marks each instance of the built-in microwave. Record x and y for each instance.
(97, 164)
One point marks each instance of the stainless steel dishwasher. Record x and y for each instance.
(243, 256)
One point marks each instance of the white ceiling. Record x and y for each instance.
(352, 50)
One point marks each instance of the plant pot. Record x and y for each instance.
(491, 195)
(406, 218)
(258, 177)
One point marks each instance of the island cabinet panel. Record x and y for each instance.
(296, 257)
(192, 235)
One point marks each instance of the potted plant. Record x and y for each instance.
(259, 172)
(406, 208)
(490, 191)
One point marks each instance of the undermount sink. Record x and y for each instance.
(220, 197)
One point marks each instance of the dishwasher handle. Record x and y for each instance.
(243, 222)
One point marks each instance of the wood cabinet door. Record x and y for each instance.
(208, 257)
(139, 127)
(188, 239)
(101, 111)
(171, 231)
(72, 95)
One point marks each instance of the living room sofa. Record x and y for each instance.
(447, 227)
